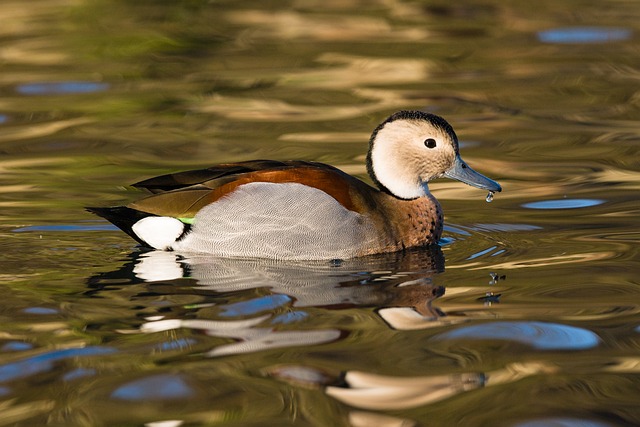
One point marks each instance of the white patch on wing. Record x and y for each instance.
(284, 221)
(160, 232)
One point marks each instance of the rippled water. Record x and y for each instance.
(528, 314)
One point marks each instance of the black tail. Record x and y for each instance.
(123, 218)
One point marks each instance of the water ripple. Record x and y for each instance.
(58, 88)
(584, 35)
(44, 362)
(157, 387)
(563, 204)
(256, 305)
(540, 335)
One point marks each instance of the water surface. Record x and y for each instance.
(527, 315)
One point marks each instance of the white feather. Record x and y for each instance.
(159, 232)
(285, 221)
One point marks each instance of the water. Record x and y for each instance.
(528, 315)
(489, 197)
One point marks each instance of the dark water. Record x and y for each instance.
(527, 316)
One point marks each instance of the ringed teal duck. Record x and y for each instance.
(301, 210)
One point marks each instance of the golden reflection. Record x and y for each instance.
(20, 17)
(408, 318)
(8, 165)
(624, 179)
(382, 392)
(348, 72)
(291, 25)
(165, 423)
(275, 110)
(272, 110)
(584, 315)
(519, 370)
(15, 189)
(39, 52)
(41, 129)
(538, 262)
(369, 419)
(60, 328)
(13, 412)
(385, 392)
(624, 365)
(345, 72)
(324, 137)
(355, 169)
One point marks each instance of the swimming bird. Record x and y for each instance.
(302, 210)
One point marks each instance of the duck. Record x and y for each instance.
(305, 210)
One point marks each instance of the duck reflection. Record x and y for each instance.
(405, 279)
(400, 286)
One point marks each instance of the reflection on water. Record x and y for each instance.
(378, 392)
(365, 281)
(54, 88)
(375, 392)
(401, 288)
(532, 320)
(158, 387)
(584, 35)
(248, 337)
(563, 204)
(546, 336)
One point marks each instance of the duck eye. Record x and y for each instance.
(430, 142)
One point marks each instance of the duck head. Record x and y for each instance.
(411, 148)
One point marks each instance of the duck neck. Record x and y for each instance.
(415, 222)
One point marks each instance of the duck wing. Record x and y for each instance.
(183, 194)
(217, 175)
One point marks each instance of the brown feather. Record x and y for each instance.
(185, 202)
(229, 171)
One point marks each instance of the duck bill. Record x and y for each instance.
(462, 172)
